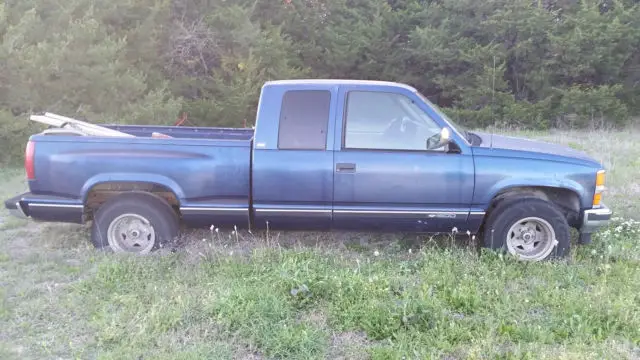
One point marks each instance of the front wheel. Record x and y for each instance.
(530, 229)
(134, 223)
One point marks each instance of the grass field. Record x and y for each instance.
(334, 296)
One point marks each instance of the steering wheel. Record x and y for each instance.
(406, 129)
(400, 125)
(394, 127)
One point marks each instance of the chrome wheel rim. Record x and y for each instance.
(531, 238)
(131, 233)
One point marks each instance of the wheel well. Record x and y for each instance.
(102, 192)
(567, 200)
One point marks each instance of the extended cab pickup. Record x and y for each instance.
(324, 155)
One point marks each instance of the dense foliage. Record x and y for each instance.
(526, 63)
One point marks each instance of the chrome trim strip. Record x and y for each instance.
(284, 210)
(20, 209)
(604, 211)
(68, 206)
(324, 211)
(408, 212)
(191, 208)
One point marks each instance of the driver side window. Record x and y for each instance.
(386, 121)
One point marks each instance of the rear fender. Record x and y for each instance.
(132, 177)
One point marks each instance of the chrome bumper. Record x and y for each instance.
(14, 206)
(594, 219)
(46, 208)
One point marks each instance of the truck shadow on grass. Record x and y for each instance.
(203, 242)
(198, 241)
(245, 242)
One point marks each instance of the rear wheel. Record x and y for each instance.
(134, 223)
(530, 229)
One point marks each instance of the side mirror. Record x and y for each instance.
(445, 136)
(438, 141)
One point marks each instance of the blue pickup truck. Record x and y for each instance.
(324, 155)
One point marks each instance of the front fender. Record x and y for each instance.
(515, 183)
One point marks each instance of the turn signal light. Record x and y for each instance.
(600, 178)
(597, 199)
(597, 196)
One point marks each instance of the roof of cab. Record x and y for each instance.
(338, 82)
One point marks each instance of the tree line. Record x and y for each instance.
(523, 63)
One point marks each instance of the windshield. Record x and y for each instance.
(411, 108)
(461, 130)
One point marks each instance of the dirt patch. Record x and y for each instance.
(18, 242)
(342, 345)
(349, 345)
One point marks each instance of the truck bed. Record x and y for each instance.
(208, 170)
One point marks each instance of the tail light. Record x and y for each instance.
(29, 166)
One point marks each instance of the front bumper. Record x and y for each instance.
(594, 219)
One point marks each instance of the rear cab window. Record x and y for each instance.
(304, 120)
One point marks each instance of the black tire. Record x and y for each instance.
(511, 211)
(149, 208)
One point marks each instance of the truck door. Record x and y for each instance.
(292, 183)
(385, 177)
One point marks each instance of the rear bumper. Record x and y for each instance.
(15, 208)
(46, 208)
(594, 219)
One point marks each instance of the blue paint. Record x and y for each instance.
(244, 178)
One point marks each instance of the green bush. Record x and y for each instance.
(507, 63)
(14, 133)
(592, 107)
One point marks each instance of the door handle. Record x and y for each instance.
(346, 167)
